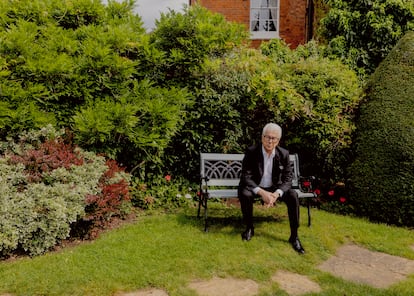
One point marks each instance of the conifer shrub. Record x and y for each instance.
(382, 175)
(48, 186)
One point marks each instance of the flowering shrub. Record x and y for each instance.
(333, 198)
(48, 186)
(164, 192)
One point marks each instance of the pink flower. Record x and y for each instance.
(342, 199)
(331, 192)
(168, 178)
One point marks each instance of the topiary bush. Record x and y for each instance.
(47, 185)
(382, 175)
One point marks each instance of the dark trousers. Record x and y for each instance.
(290, 198)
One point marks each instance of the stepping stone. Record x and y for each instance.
(357, 264)
(225, 286)
(295, 284)
(146, 292)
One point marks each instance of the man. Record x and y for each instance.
(267, 172)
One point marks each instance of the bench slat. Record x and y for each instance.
(224, 182)
(223, 193)
(229, 193)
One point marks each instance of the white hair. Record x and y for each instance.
(272, 127)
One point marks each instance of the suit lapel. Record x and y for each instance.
(276, 163)
(261, 160)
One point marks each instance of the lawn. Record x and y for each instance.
(168, 251)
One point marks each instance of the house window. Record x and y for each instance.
(264, 19)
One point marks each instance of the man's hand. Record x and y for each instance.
(269, 198)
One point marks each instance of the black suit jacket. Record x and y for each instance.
(252, 169)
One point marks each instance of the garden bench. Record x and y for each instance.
(220, 175)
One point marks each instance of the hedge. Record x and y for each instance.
(382, 175)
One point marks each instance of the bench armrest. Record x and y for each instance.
(306, 184)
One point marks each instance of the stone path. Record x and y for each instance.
(147, 292)
(225, 286)
(295, 284)
(351, 262)
(360, 265)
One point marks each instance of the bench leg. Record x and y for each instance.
(202, 202)
(205, 212)
(309, 214)
(199, 206)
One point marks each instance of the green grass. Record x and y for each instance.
(168, 251)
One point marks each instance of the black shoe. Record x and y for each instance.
(248, 234)
(297, 246)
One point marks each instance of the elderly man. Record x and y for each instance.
(267, 172)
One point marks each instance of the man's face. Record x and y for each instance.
(270, 140)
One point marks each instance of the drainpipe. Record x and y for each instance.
(309, 20)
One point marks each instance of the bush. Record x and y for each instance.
(331, 91)
(313, 98)
(111, 200)
(164, 192)
(135, 128)
(82, 71)
(77, 52)
(188, 39)
(382, 174)
(45, 184)
(216, 121)
(362, 33)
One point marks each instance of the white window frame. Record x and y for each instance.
(263, 13)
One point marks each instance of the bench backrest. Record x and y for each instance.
(225, 169)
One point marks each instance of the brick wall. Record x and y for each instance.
(292, 17)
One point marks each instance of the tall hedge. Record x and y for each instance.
(382, 175)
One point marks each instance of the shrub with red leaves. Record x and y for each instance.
(99, 208)
(49, 156)
(108, 203)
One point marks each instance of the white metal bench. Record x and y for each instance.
(220, 176)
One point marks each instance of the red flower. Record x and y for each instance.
(342, 199)
(317, 191)
(306, 184)
(168, 178)
(331, 192)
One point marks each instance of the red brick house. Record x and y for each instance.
(290, 20)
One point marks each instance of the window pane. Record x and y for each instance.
(255, 3)
(264, 18)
